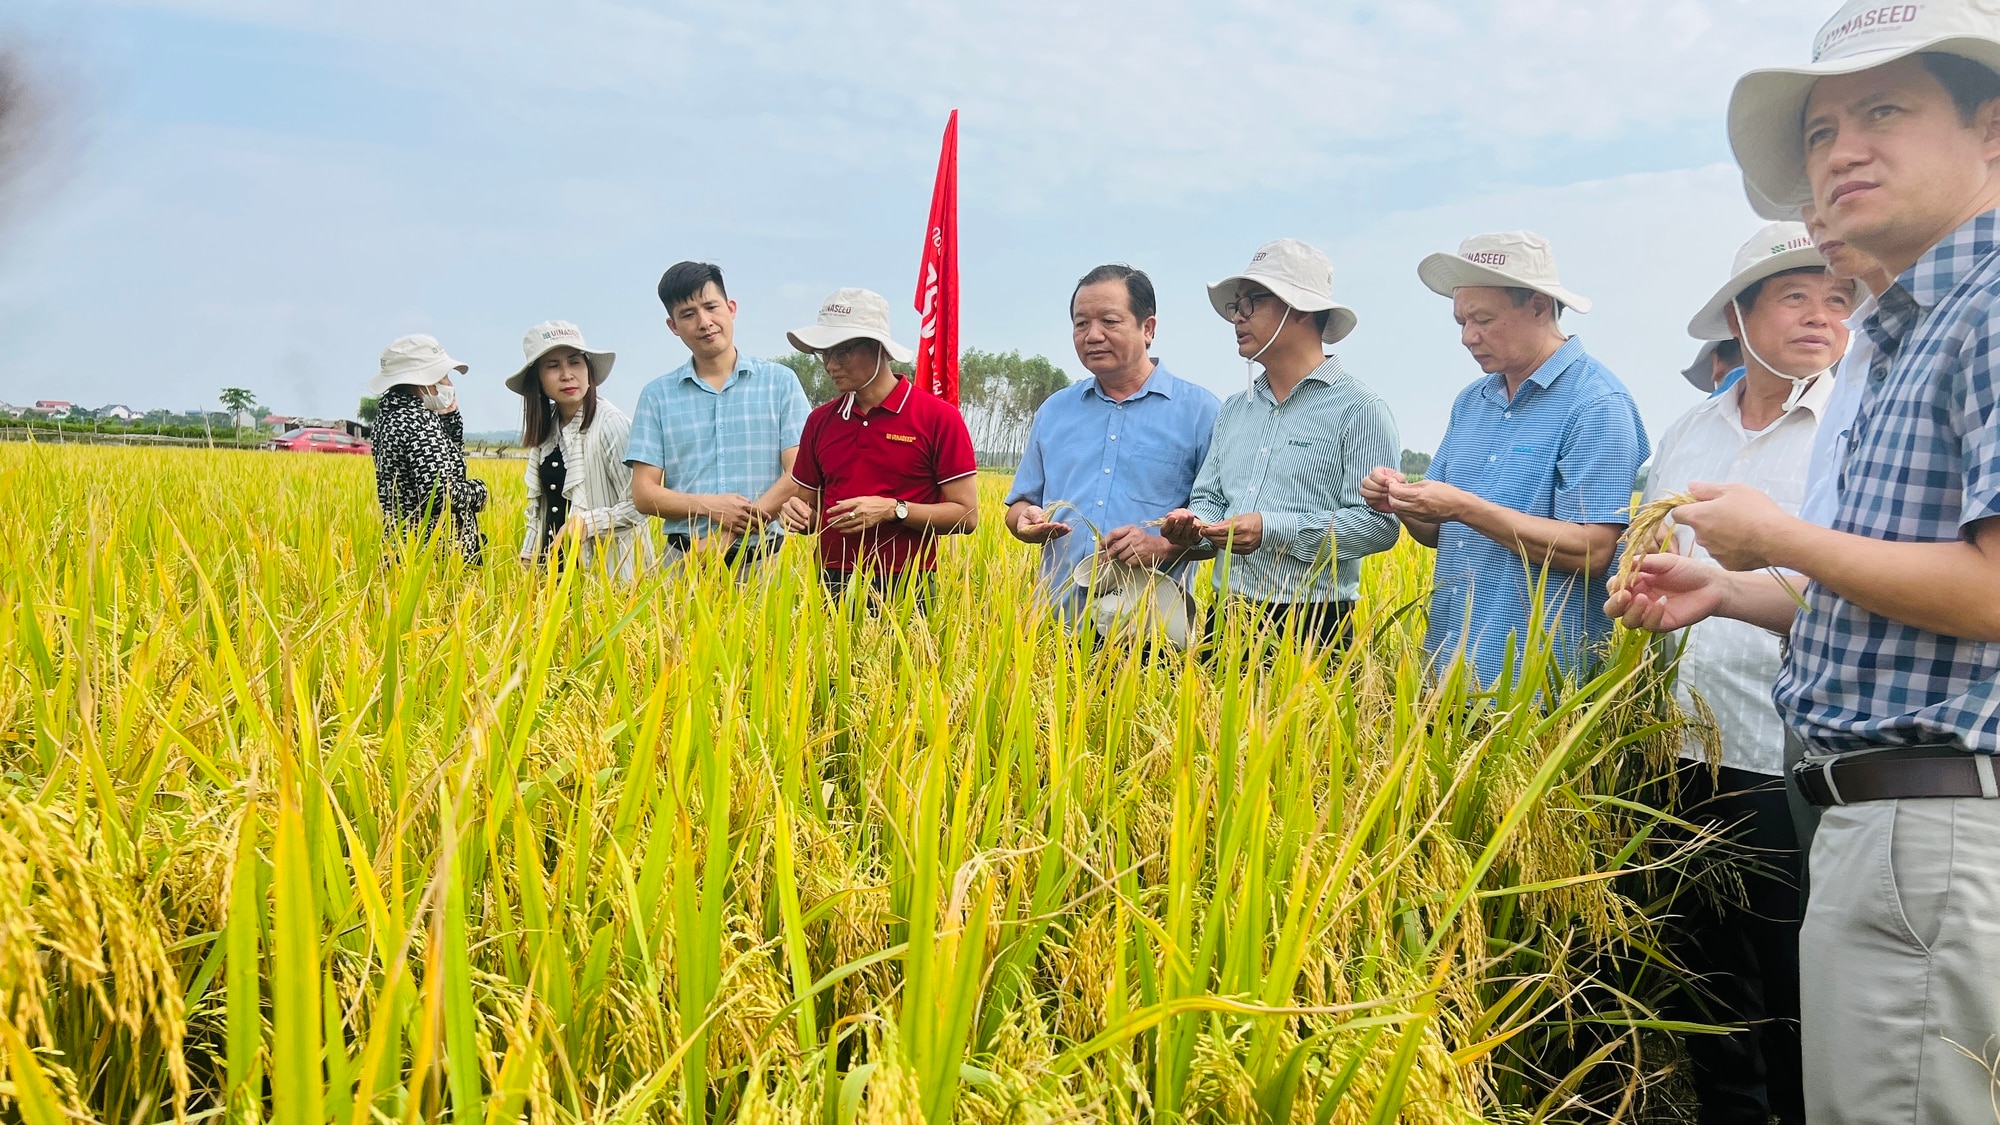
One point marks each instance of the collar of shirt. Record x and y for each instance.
(1937, 273)
(1544, 377)
(1328, 370)
(686, 373)
(1813, 400)
(1159, 382)
(893, 404)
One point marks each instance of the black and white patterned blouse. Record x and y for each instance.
(420, 471)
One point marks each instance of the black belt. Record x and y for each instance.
(745, 550)
(1899, 774)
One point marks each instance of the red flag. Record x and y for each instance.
(937, 279)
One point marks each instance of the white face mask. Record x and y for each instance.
(441, 398)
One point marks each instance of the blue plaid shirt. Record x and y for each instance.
(1118, 463)
(709, 441)
(1922, 465)
(1567, 446)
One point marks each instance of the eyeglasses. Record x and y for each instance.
(844, 351)
(1245, 307)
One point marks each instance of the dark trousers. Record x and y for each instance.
(882, 586)
(1742, 945)
(1324, 622)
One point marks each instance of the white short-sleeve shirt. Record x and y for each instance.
(1732, 664)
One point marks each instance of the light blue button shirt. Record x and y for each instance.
(1830, 443)
(710, 441)
(1567, 446)
(1119, 463)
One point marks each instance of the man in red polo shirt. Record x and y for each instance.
(885, 468)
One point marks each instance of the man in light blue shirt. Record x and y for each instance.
(713, 442)
(1280, 490)
(1532, 485)
(1830, 444)
(1117, 450)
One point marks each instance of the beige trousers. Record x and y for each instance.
(1900, 958)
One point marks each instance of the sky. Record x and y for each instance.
(265, 193)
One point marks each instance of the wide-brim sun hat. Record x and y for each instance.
(1516, 259)
(1767, 108)
(850, 314)
(1771, 251)
(1297, 274)
(546, 337)
(1701, 373)
(415, 361)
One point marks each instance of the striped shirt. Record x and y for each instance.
(1567, 446)
(1732, 664)
(727, 441)
(598, 486)
(1300, 464)
(1922, 465)
(1115, 463)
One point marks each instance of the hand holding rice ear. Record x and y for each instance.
(1645, 534)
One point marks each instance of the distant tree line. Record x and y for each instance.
(998, 393)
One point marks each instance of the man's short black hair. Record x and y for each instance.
(1970, 84)
(1138, 288)
(1521, 295)
(1730, 351)
(685, 279)
(1747, 299)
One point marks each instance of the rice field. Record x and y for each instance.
(289, 834)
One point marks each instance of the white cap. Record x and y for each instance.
(1767, 110)
(1515, 259)
(850, 314)
(417, 361)
(546, 337)
(1775, 249)
(1296, 274)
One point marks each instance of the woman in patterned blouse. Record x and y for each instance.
(419, 441)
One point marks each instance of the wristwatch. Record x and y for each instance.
(902, 510)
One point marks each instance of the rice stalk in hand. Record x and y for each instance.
(1643, 537)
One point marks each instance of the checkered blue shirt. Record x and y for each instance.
(1567, 446)
(710, 441)
(1922, 465)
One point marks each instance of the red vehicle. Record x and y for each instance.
(317, 439)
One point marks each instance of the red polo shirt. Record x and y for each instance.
(905, 449)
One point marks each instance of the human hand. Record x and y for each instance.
(1035, 526)
(1181, 528)
(733, 513)
(1667, 592)
(1241, 534)
(576, 528)
(1375, 487)
(796, 515)
(1427, 501)
(859, 513)
(1733, 523)
(1135, 546)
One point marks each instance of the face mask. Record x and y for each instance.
(441, 398)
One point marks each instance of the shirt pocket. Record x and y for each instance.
(1153, 483)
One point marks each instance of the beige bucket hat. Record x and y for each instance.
(1515, 259)
(1771, 251)
(1701, 373)
(1299, 275)
(546, 337)
(850, 314)
(1767, 109)
(417, 361)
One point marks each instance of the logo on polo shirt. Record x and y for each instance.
(1487, 258)
(1300, 444)
(911, 438)
(1865, 23)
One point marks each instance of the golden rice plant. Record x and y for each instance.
(290, 833)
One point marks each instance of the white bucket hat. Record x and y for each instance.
(417, 361)
(1767, 110)
(850, 314)
(1133, 604)
(1770, 252)
(1296, 274)
(1515, 259)
(546, 337)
